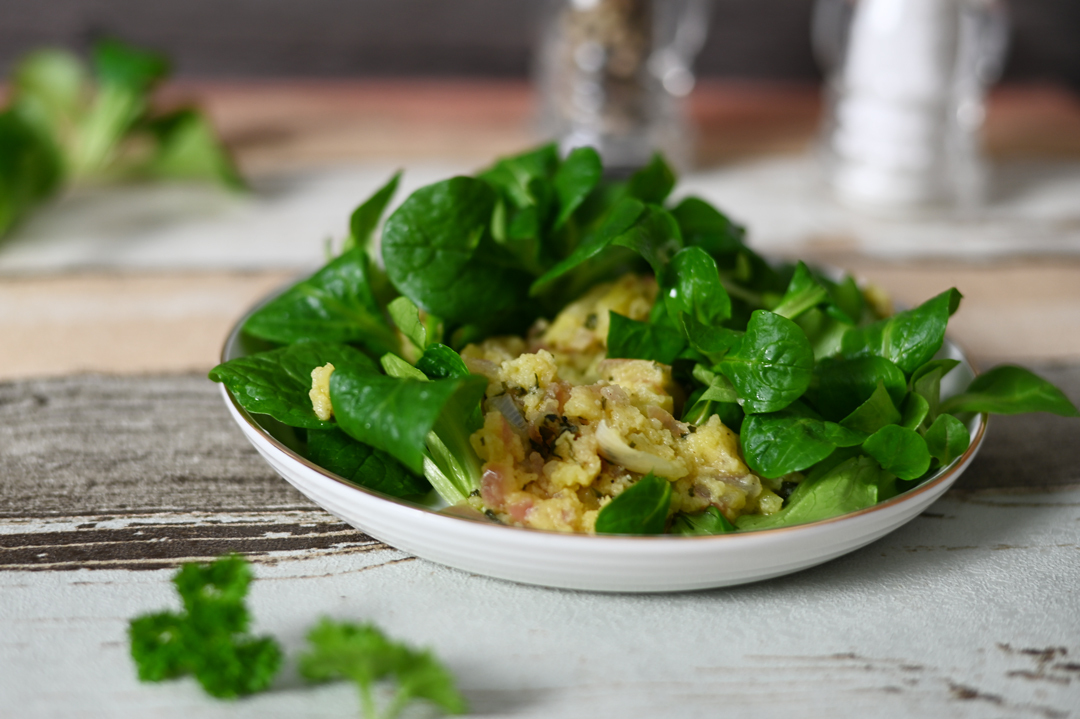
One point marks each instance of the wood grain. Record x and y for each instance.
(105, 472)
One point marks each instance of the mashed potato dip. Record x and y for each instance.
(566, 430)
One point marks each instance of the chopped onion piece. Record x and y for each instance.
(614, 449)
(505, 404)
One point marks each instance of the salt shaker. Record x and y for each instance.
(612, 73)
(905, 98)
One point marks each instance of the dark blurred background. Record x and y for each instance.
(753, 39)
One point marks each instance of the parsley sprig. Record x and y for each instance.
(209, 640)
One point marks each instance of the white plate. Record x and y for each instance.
(597, 563)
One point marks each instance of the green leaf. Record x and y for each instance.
(622, 217)
(406, 316)
(692, 288)
(700, 524)
(794, 439)
(515, 177)
(189, 149)
(846, 296)
(441, 362)
(335, 304)
(1011, 390)
(208, 639)
(365, 218)
(874, 413)
(846, 487)
(337, 452)
(914, 411)
(396, 415)
(630, 339)
(364, 655)
(341, 650)
(926, 382)
(712, 342)
(841, 385)
(803, 293)
(652, 183)
(438, 252)
(773, 364)
(947, 439)
(704, 226)
(899, 450)
(640, 509)
(125, 76)
(398, 368)
(278, 382)
(48, 92)
(133, 68)
(655, 236)
(157, 646)
(30, 169)
(576, 177)
(908, 339)
(423, 677)
(718, 388)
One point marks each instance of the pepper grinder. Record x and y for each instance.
(612, 75)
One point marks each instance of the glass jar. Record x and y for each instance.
(905, 98)
(612, 74)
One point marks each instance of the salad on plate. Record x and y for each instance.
(545, 347)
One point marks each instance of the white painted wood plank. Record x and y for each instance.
(969, 611)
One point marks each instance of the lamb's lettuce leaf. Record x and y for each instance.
(278, 382)
(361, 464)
(907, 339)
(840, 386)
(848, 486)
(1011, 390)
(791, 440)
(398, 415)
(899, 450)
(631, 339)
(336, 304)
(772, 365)
(947, 439)
(700, 524)
(439, 252)
(640, 509)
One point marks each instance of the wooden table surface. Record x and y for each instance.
(118, 460)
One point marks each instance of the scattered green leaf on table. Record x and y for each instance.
(364, 655)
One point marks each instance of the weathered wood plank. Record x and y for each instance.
(104, 445)
(101, 445)
(158, 541)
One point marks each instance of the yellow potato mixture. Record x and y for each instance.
(566, 430)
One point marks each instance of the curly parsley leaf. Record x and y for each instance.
(363, 655)
(209, 638)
